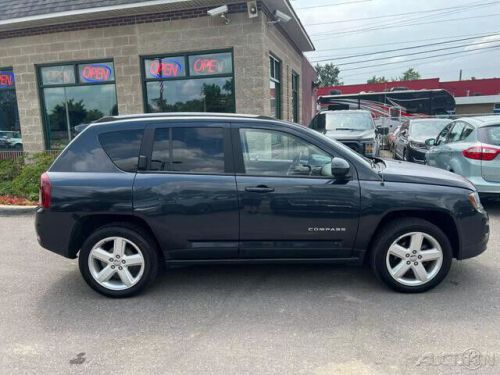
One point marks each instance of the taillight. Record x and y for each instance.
(481, 153)
(45, 191)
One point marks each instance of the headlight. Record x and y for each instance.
(475, 201)
(368, 148)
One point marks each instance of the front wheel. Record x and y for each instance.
(118, 260)
(411, 255)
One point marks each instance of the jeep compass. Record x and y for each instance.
(133, 195)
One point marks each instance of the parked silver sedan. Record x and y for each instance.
(470, 147)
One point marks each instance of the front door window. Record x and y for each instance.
(274, 153)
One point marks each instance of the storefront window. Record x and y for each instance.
(295, 97)
(75, 94)
(275, 87)
(189, 83)
(10, 134)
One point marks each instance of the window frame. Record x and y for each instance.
(295, 84)
(187, 77)
(273, 62)
(76, 64)
(14, 89)
(148, 143)
(240, 162)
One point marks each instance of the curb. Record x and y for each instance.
(6, 210)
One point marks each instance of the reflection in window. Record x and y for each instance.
(199, 95)
(123, 148)
(10, 134)
(188, 149)
(189, 83)
(73, 95)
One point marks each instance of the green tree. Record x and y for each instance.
(328, 75)
(376, 79)
(409, 75)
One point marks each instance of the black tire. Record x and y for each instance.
(392, 231)
(132, 233)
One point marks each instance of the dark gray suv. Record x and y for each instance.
(132, 195)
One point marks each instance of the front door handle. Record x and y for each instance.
(259, 189)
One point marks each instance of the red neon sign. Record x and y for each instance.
(165, 68)
(6, 79)
(96, 73)
(208, 66)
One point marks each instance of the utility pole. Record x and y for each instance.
(460, 75)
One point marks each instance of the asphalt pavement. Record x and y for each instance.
(301, 319)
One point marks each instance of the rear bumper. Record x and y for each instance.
(484, 186)
(53, 230)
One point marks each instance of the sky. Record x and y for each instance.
(340, 29)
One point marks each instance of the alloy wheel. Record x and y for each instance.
(414, 259)
(116, 263)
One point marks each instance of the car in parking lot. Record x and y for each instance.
(11, 140)
(410, 141)
(354, 128)
(134, 194)
(470, 147)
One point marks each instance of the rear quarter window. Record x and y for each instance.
(490, 135)
(123, 148)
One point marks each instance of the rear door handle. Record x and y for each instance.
(259, 189)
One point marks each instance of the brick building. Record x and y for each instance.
(63, 63)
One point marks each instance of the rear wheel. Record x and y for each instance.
(411, 255)
(118, 260)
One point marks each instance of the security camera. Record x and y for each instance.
(281, 17)
(219, 11)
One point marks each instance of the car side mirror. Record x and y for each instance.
(340, 168)
(430, 142)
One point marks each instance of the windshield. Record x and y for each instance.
(427, 129)
(490, 135)
(348, 121)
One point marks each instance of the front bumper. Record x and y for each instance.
(475, 230)
(361, 147)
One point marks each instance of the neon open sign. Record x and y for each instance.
(167, 68)
(211, 64)
(95, 73)
(6, 79)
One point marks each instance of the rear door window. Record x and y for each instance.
(490, 135)
(188, 149)
(123, 148)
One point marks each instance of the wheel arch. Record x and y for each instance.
(441, 219)
(90, 223)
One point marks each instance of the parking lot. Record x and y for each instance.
(245, 319)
